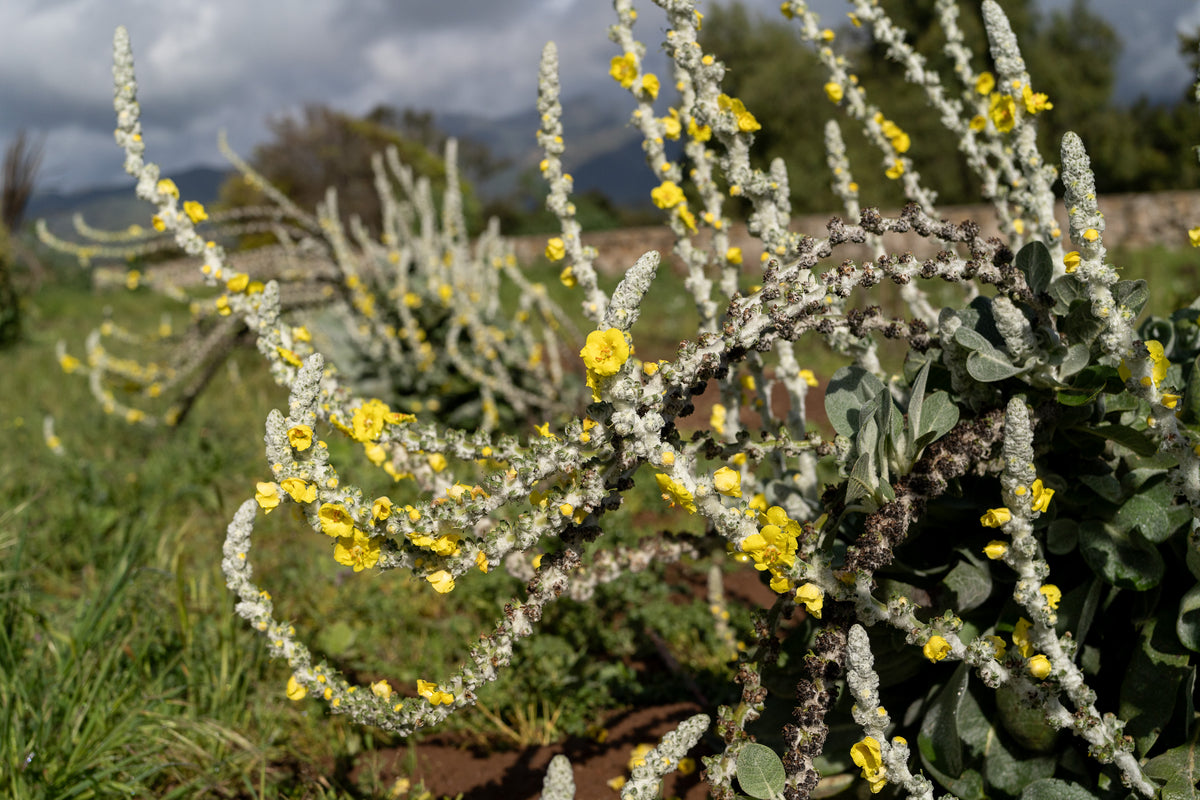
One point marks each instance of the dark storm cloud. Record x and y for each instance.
(204, 65)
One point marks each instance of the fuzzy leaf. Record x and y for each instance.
(1135, 440)
(862, 481)
(1132, 294)
(1190, 412)
(1178, 768)
(1035, 261)
(939, 741)
(1123, 558)
(1065, 291)
(1011, 773)
(1077, 357)
(760, 771)
(986, 362)
(849, 389)
(970, 583)
(1150, 689)
(1146, 513)
(939, 415)
(916, 402)
(1105, 485)
(1054, 789)
(991, 367)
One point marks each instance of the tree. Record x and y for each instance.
(323, 148)
(1070, 56)
(21, 162)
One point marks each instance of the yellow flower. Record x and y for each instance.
(567, 277)
(637, 757)
(1171, 400)
(686, 217)
(356, 551)
(675, 494)
(605, 352)
(195, 211)
(772, 547)
(667, 195)
(300, 437)
(978, 123)
(267, 495)
(435, 696)
(381, 509)
(701, 133)
(1194, 237)
(442, 581)
(1003, 111)
(995, 550)
(69, 363)
(294, 690)
(734, 255)
(812, 598)
(1053, 594)
(834, 92)
(672, 127)
(716, 419)
(866, 754)
(1091, 235)
(381, 689)
(623, 69)
(556, 249)
(728, 482)
(481, 561)
(238, 282)
(368, 420)
(895, 170)
(985, 83)
(995, 517)
(1035, 101)
(936, 648)
(167, 186)
(335, 520)
(1041, 496)
(1020, 637)
(650, 85)
(284, 353)
(1071, 261)
(299, 490)
(745, 120)
(1158, 358)
(998, 645)
(1039, 667)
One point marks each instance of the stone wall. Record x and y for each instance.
(1132, 220)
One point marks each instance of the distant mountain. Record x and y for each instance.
(117, 207)
(604, 153)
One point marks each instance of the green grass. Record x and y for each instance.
(123, 670)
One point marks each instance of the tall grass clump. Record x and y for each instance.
(985, 572)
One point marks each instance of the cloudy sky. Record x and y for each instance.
(203, 65)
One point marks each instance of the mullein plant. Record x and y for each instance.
(414, 314)
(1005, 543)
